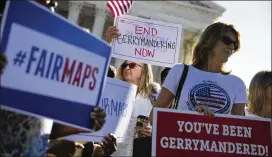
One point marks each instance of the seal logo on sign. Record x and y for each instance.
(209, 94)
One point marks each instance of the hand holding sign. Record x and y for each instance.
(204, 109)
(109, 145)
(98, 115)
(112, 33)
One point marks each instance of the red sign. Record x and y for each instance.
(190, 134)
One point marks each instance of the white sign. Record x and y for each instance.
(51, 73)
(147, 41)
(117, 100)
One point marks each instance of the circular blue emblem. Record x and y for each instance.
(209, 94)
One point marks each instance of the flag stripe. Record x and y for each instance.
(126, 7)
(119, 7)
(112, 9)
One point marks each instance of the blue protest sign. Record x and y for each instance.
(55, 70)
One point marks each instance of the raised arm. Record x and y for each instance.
(240, 99)
(238, 109)
(169, 89)
(164, 100)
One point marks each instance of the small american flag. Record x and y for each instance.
(212, 97)
(119, 7)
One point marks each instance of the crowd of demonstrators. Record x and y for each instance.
(20, 135)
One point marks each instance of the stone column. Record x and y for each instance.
(188, 51)
(181, 50)
(74, 11)
(99, 21)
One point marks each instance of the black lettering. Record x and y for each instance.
(129, 39)
(134, 40)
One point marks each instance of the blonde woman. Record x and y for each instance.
(141, 75)
(259, 98)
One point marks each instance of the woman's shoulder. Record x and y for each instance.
(235, 79)
(177, 68)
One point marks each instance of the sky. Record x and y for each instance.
(253, 20)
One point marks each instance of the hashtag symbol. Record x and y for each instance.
(19, 58)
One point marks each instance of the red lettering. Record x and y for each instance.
(138, 30)
(138, 51)
(67, 72)
(78, 74)
(151, 53)
(87, 74)
(143, 30)
(147, 31)
(92, 84)
(154, 31)
(144, 52)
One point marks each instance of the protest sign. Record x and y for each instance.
(180, 133)
(56, 69)
(117, 101)
(147, 41)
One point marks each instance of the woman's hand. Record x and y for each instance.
(112, 33)
(109, 145)
(3, 62)
(146, 131)
(98, 115)
(205, 109)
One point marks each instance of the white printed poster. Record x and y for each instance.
(147, 41)
(117, 101)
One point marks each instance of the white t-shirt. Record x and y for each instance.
(216, 90)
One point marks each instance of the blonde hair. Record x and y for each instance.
(208, 40)
(256, 95)
(146, 79)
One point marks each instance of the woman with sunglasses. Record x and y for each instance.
(141, 75)
(208, 88)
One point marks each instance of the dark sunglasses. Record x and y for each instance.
(227, 40)
(130, 65)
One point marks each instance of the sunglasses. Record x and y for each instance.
(227, 40)
(130, 65)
